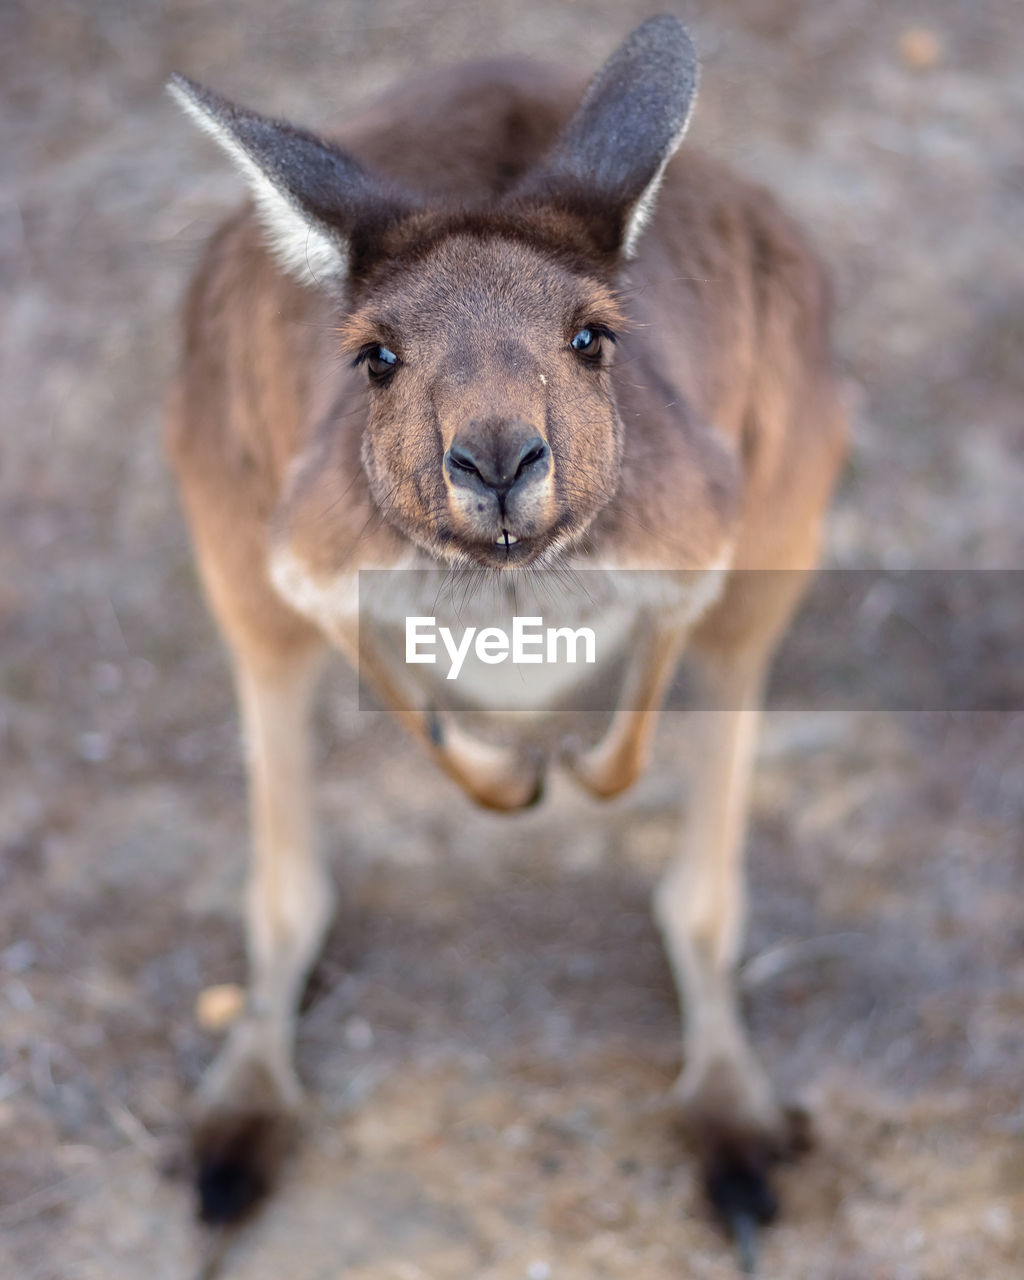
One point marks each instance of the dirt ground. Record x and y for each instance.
(492, 1032)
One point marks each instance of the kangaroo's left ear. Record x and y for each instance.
(608, 162)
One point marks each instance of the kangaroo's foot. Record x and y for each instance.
(244, 1122)
(740, 1134)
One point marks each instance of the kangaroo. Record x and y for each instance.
(503, 323)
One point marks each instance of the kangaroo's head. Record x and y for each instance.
(486, 334)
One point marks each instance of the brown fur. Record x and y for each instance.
(710, 430)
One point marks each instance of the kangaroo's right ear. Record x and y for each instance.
(608, 162)
(313, 198)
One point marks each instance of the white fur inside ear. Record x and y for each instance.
(640, 214)
(303, 249)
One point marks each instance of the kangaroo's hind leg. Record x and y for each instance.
(244, 1112)
(729, 1105)
(246, 1106)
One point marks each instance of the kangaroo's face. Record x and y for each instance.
(486, 334)
(493, 435)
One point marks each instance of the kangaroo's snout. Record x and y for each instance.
(497, 457)
(500, 478)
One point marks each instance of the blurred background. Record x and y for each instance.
(493, 1029)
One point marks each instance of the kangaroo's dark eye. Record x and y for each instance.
(586, 342)
(380, 361)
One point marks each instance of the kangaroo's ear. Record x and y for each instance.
(315, 201)
(609, 160)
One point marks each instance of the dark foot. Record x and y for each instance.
(737, 1183)
(237, 1156)
(737, 1169)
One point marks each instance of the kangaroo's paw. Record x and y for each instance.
(607, 768)
(495, 776)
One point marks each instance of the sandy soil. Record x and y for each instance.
(492, 1031)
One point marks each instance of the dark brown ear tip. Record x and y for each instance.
(237, 1159)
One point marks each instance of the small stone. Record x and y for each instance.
(920, 48)
(218, 1006)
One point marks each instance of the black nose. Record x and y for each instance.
(496, 460)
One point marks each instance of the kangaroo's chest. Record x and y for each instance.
(514, 642)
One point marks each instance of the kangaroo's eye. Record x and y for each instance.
(380, 361)
(588, 342)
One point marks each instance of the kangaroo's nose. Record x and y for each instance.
(496, 460)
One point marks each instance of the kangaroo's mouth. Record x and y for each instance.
(508, 550)
(504, 545)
